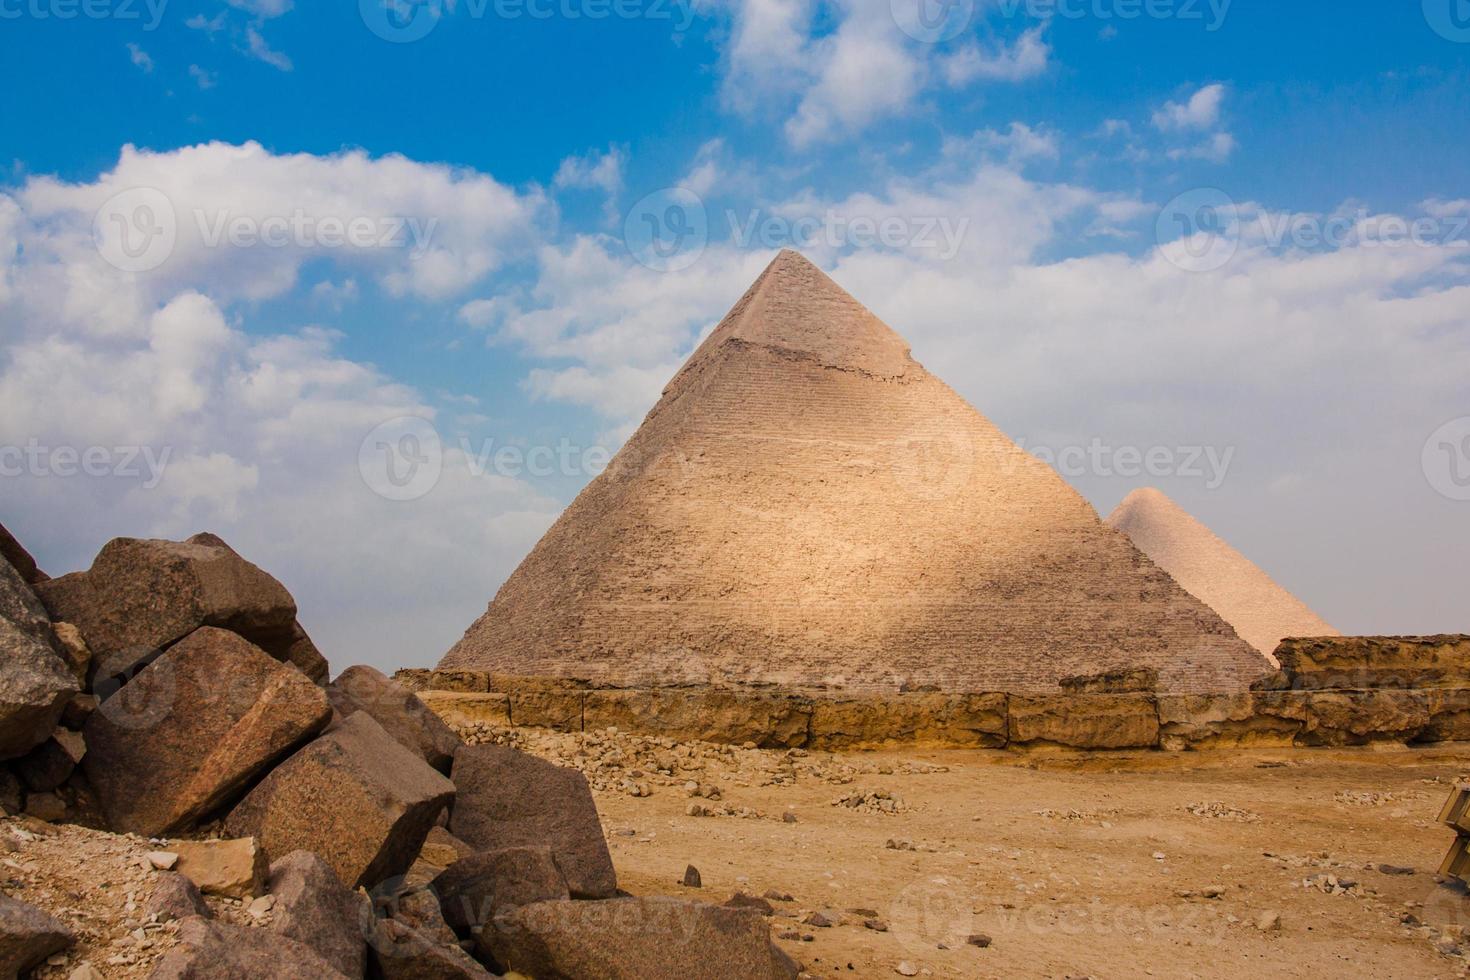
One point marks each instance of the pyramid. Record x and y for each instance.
(807, 506)
(1261, 611)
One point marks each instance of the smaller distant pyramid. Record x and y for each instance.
(1262, 612)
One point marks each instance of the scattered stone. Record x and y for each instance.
(73, 649)
(871, 801)
(311, 905)
(356, 797)
(477, 888)
(263, 906)
(821, 920)
(906, 969)
(788, 817)
(398, 710)
(691, 878)
(78, 710)
(86, 971)
(229, 868)
(877, 925)
(193, 729)
(162, 860)
(1394, 869)
(777, 896)
(1269, 921)
(979, 939)
(175, 897)
(508, 799)
(740, 900)
(210, 950)
(27, 934)
(638, 939)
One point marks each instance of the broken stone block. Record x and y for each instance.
(560, 711)
(73, 649)
(1245, 718)
(175, 897)
(474, 889)
(139, 596)
(1373, 662)
(355, 797)
(511, 799)
(194, 728)
(638, 939)
(400, 952)
(314, 908)
(14, 553)
(229, 868)
(36, 683)
(27, 936)
(770, 721)
(965, 720)
(1095, 721)
(398, 710)
(441, 848)
(462, 709)
(211, 950)
(1362, 717)
(50, 764)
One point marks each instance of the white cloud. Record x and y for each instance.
(257, 435)
(1018, 145)
(205, 79)
(1028, 57)
(595, 171)
(834, 68)
(209, 25)
(140, 58)
(262, 51)
(1200, 111)
(1215, 149)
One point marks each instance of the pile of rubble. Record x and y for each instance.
(189, 798)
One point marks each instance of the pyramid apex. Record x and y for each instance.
(795, 307)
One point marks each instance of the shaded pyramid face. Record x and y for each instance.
(1262, 612)
(807, 506)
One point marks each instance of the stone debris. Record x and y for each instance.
(309, 904)
(28, 936)
(872, 801)
(1222, 811)
(691, 878)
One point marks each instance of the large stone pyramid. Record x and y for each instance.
(807, 506)
(1262, 612)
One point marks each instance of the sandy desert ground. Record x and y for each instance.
(1282, 864)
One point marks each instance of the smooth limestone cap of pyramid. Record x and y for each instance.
(1259, 609)
(806, 506)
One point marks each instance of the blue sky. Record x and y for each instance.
(1062, 142)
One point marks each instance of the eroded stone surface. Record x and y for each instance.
(770, 721)
(210, 950)
(355, 797)
(1361, 662)
(1214, 721)
(316, 909)
(638, 939)
(510, 799)
(1096, 721)
(398, 710)
(35, 684)
(190, 732)
(27, 936)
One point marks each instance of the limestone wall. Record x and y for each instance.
(1407, 690)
